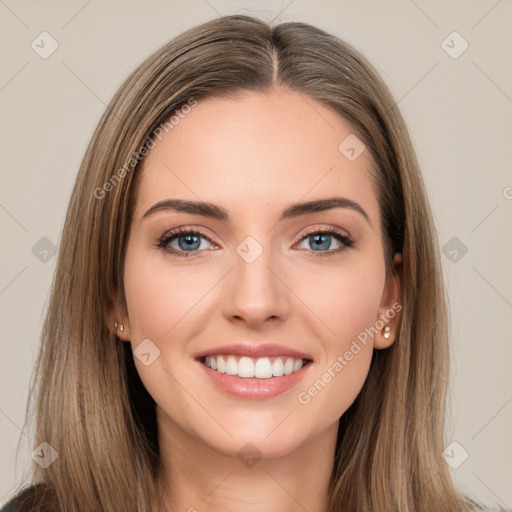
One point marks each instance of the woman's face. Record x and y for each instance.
(253, 286)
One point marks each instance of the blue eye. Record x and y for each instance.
(322, 240)
(189, 242)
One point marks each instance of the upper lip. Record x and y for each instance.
(255, 351)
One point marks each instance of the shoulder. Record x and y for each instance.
(34, 498)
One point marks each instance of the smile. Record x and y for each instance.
(254, 378)
(259, 368)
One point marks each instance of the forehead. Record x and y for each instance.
(254, 151)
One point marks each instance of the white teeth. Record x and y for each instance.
(245, 367)
(288, 366)
(278, 367)
(221, 364)
(231, 366)
(297, 365)
(261, 368)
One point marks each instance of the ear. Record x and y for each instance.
(390, 307)
(117, 319)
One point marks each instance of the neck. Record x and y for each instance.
(194, 476)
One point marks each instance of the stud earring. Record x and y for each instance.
(115, 325)
(121, 327)
(387, 330)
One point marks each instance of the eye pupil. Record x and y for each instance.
(190, 239)
(317, 240)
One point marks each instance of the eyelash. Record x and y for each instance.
(346, 240)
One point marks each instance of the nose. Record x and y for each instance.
(255, 293)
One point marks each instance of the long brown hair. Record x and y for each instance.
(90, 405)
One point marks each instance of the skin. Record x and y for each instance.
(254, 155)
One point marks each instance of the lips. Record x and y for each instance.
(254, 351)
(254, 371)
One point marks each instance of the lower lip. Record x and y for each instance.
(252, 388)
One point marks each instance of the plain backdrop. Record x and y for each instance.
(457, 101)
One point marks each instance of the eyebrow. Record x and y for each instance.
(294, 210)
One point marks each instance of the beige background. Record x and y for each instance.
(459, 112)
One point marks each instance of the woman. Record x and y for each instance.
(248, 308)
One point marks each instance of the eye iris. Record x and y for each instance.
(189, 241)
(317, 238)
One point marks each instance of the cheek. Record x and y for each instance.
(345, 300)
(163, 301)
(354, 312)
(158, 299)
